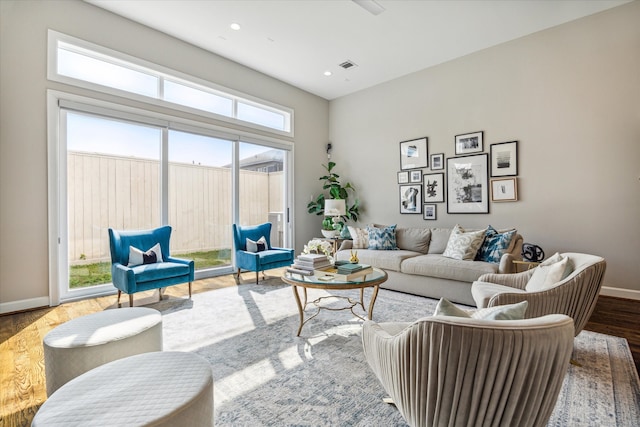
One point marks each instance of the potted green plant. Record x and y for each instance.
(336, 190)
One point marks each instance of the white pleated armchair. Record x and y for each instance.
(575, 295)
(445, 371)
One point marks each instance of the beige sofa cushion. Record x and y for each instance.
(388, 260)
(439, 239)
(446, 268)
(413, 239)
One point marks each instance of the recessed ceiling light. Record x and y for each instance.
(235, 26)
(328, 73)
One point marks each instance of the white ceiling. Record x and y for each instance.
(296, 41)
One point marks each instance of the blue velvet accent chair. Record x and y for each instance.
(130, 280)
(258, 261)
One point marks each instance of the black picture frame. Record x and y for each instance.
(415, 176)
(504, 159)
(410, 198)
(403, 177)
(437, 161)
(414, 154)
(430, 212)
(468, 143)
(468, 184)
(433, 187)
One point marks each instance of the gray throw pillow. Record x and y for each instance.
(499, 312)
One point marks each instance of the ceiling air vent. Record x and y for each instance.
(347, 64)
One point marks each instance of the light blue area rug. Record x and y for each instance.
(265, 375)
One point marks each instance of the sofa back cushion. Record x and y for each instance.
(413, 239)
(439, 239)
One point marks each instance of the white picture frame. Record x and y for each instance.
(468, 184)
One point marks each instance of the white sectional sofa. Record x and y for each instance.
(418, 266)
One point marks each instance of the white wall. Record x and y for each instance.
(23, 133)
(570, 95)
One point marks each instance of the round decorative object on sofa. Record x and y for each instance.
(160, 388)
(86, 342)
(532, 253)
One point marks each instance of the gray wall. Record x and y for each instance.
(570, 95)
(24, 273)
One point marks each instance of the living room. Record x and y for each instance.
(569, 95)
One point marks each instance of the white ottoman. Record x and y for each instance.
(86, 342)
(160, 389)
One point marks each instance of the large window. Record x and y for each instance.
(84, 64)
(123, 166)
(123, 169)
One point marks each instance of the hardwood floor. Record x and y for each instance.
(22, 381)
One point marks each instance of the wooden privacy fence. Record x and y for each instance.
(124, 193)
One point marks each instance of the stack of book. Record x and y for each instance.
(350, 268)
(306, 263)
(344, 272)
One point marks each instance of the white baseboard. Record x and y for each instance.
(25, 304)
(620, 293)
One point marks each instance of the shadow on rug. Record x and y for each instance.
(265, 375)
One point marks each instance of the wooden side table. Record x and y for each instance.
(528, 264)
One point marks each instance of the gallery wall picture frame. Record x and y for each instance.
(410, 199)
(403, 177)
(415, 176)
(433, 187)
(469, 143)
(414, 154)
(429, 212)
(504, 158)
(504, 190)
(437, 161)
(468, 184)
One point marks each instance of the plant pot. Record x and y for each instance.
(330, 234)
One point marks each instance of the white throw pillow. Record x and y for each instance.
(499, 312)
(464, 245)
(137, 257)
(546, 276)
(360, 237)
(257, 246)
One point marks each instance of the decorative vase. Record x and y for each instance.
(329, 234)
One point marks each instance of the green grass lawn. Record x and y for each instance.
(81, 276)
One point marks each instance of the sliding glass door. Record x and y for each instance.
(112, 180)
(117, 170)
(262, 188)
(200, 199)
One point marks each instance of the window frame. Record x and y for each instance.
(57, 215)
(55, 39)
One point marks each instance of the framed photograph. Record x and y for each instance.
(504, 159)
(437, 161)
(504, 190)
(403, 177)
(415, 176)
(411, 199)
(413, 154)
(468, 184)
(469, 143)
(429, 212)
(433, 184)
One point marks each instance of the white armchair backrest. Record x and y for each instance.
(456, 371)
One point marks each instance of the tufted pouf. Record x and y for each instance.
(86, 342)
(160, 389)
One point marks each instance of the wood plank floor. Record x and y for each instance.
(22, 381)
